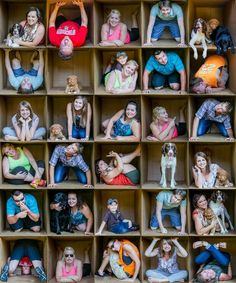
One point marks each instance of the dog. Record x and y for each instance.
(56, 133)
(222, 179)
(209, 217)
(223, 40)
(198, 36)
(60, 220)
(212, 24)
(216, 203)
(16, 31)
(168, 160)
(73, 86)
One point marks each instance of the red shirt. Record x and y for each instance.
(76, 33)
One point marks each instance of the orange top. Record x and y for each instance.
(208, 71)
(130, 268)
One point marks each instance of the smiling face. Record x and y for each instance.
(221, 108)
(176, 198)
(102, 166)
(162, 58)
(78, 104)
(166, 246)
(9, 150)
(32, 18)
(129, 69)
(71, 149)
(130, 111)
(114, 19)
(202, 202)
(208, 274)
(72, 199)
(165, 11)
(162, 116)
(201, 162)
(113, 207)
(26, 84)
(24, 112)
(66, 46)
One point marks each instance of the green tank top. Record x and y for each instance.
(118, 83)
(22, 161)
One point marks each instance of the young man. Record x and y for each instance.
(213, 112)
(168, 67)
(67, 34)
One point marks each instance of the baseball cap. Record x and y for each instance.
(111, 200)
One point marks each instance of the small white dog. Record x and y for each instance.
(168, 160)
(198, 36)
(217, 205)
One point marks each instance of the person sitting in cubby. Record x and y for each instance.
(23, 212)
(65, 157)
(164, 128)
(124, 125)
(167, 252)
(115, 221)
(212, 76)
(215, 264)
(163, 15)
(123, 258)
(168, 69)
(79, 114)
(25, 125)
(116, 33)
(119, 171)
(25, 254)
(168, 203)
(71, 269)
(67, 34)
(19, 166)
(212, 112)
(117, 82)
(25, 82)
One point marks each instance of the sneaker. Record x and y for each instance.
(4, 273)
(41, 274)
(101, 275)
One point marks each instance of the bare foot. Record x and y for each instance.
(138, 150)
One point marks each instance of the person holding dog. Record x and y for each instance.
(67, 34)
(25, 125)
(65, 157)
(79, 115)
(172, 204)
(168, 69)
(212, 112)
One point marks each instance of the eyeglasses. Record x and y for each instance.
(19, 200)
(69, 255)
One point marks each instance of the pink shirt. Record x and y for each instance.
(175, 133)
(117, 33)
(73, 270)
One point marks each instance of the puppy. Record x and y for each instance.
(222, 179)
(56, 133)
(60, 220)
(73, 86)
(212, 24)
(209, 217)
(16, 31)
(168, 160)
(198, 36)
(216, 203)
(223, 40)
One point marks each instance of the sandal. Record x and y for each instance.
(41, 273)
(4, 273)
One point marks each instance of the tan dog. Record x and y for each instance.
(56, 132)
(73, 86)
(209, 216)
(212, 24)
(222, 179)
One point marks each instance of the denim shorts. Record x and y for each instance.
(21, 72)
(173, 214)
(160, 26)
(159, 79)
(25, 248)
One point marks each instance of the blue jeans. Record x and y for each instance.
(159, 80)
(204, 126)
(160, 26)
(62, 171)
(174, 215)
(38, 134)
(21, 72)
(171, 277)
(212, 253)
(25, 248)
(78, 133)
(120, 228)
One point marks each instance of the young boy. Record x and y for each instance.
(115, 221)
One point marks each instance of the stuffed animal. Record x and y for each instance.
(209, 216)
(56, 132)
(222, 179)
(73, 86)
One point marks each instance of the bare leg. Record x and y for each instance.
(81, 227)
(37, 263)
(105, 124)
(86, 255)
(127, 158)
(12, 266)
(104, 264)
(134, 19)
(181, 114)
(16, 63)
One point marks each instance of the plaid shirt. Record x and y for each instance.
(74, 161)
(207, 111)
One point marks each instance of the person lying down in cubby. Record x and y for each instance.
(25, 82)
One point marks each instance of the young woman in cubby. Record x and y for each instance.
(116, 33)
(124, 125)
(25, 125)
(79, 114)
(167, 253)
(164, 128)
(215, 265)
(119, 171)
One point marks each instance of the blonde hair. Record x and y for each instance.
(27, 105)
(67, 249)
(113, 11)
(156, 112)
(82, 111)
(132, 62)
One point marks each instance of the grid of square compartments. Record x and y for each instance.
(49, 103)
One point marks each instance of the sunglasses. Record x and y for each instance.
(69, 255)
(19, 200)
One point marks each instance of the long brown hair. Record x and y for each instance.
(27, 105)
(205, 156)
(83, 112)
(160, 246)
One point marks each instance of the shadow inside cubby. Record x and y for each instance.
(56, 247)
(70, 181)
(149, 207)
(58, 70)
(128, 204)
(102, 150)
(105, 108)
(173, 110)
(9, 107)
(102, 60)
(40, 199)
(151, 166)
(57, 108)
(85, 196)
(220, 153)
(6, 250)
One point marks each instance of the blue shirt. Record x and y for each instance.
(174, 63)
(36, 81)
(164, 197)
(176, 12)
(30, 202)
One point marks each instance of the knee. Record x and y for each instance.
(15, 63)
(175, 86)
(36, 64)
(35, 228)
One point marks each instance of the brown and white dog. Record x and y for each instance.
(198, 36)
(216, 203)
(16, 31)
(209, 216)
(56, 132)
(168, 160)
